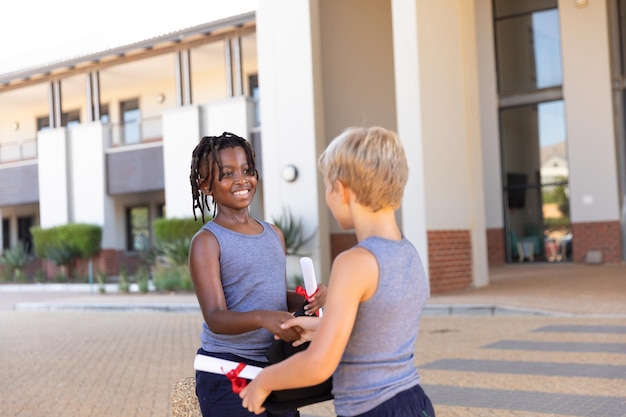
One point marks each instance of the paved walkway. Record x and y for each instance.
(540, 340)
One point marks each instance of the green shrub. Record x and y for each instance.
(176, 252)
(143, 278)
(101, 278)
(64, 244)
(16, 259)
(169, 230)
(172, 239)
(124, 284)
(172, 278)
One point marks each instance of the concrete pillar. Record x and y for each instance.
(291, 117)
(54, 191)
(181, 134)
(437, 98)
(594, 195)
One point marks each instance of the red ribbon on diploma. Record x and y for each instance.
(233, 376)
(301, 291)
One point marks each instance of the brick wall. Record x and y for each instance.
(496, 253)
(602, 236)
(449, 256)
(109, 261)
(450, 260)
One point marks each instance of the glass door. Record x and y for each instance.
(535, 178)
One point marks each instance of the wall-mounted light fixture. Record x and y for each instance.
(16, 126)
(290, 173)
(160, 98)
(581, 3)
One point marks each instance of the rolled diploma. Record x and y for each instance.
(308, 274)
(222, 366)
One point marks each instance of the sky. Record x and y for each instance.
(37, 32)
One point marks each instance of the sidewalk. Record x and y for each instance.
(564, 289)
(540, 341)
(538, 289)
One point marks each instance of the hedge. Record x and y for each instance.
(62, 244)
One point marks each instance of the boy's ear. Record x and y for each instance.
(344, 192)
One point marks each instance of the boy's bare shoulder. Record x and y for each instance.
(355, 257)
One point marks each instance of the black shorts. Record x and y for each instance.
(410, 403)
(216, 396)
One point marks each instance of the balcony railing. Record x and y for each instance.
(18, 151)
(134, 132)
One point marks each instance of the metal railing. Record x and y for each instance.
(135, 132)
(18, 151)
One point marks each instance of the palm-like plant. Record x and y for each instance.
(16, 259)
(293, 231)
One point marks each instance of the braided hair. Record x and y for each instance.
(207, 152)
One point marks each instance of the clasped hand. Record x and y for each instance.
(317, 301)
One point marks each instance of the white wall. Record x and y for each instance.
(589, 112)
(229, 115)
(54, 193)
(23, 106)
(357, 61)
(87, 173)
(181, 134)
(357, 89)
(446, 150)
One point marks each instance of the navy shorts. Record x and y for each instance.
(410, 403)
(216, 396)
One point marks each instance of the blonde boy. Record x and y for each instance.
(377, 291)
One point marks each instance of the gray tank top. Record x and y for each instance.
(252, 268)
(378, 361)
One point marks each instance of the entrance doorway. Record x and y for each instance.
(535, 174)
(536, 182)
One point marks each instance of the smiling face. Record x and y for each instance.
(234, 187)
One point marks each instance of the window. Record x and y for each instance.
(253, 84)
(137, 228)
(533, 139)
(23, 232)
(43, 123)
(104, 114)
(130, 115)
(528, 45)
(68, 119)
(6, 234)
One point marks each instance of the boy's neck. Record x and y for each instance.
(379, 224)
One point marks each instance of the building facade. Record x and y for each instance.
(511, 114)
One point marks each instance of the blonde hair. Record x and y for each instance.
(370, 162)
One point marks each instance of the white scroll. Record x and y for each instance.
(310, 281)
(223, 366)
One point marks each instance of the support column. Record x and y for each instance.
(594, 192)
(54, 103)
(228, 61)
(183, 78)
(237, 66)
(92, 80)
(409, 114)
(438, 120)
(289, 62)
